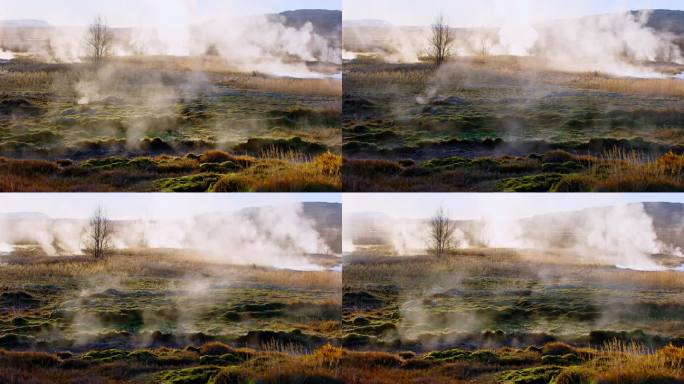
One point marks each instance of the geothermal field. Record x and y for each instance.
(560, 297)
(229, 297)
(588, 103)
(218, 102)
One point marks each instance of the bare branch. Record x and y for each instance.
(99, 41)
(441, 40)
(441, 236)
(99, 234)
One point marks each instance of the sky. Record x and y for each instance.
(151, 206)
(467, 13)
(464, 206)
(131, 13)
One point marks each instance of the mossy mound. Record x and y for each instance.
(536, 375)
(196, 375)
(534, 183)
(193, 183)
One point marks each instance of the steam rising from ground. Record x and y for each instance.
(614, 44)
(618, 44)
(263, 43)
(278, 236)
(622, 235)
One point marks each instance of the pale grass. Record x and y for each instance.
(633, 171)
(215, 68)
(290, 86)
(649, 87)
(289, 156)
(284, 170)
(223, 73)
(618, 361)
(492, 261)
(384, 77)
(275, 346)
(160, 263)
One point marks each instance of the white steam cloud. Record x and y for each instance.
(275, 237)
(618, 43)
(263, 43)
(622, 235)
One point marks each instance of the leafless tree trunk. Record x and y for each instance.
(484, 47)
(441, 40)
(99, 234)
(441, 233)
(99, 40)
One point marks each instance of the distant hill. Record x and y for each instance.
(372, 23)
(326, 217)
(666, 20)
(24, 23)
(24, 216)
(324, 21)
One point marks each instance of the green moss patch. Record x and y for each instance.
(193, 183)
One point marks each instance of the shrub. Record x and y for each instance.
(672, 163)
(329, 355)
(329, 163)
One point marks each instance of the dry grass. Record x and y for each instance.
(672, 163)
(631, 171)
(216, 68)
(368, 266)
(615, 363)
(19, 80)
(221, 72)
(286, 171)
(619, 362)
(301, 279)
(417, 78)
(648, 87)
(159, 263)
(288, 86)
(276, 170)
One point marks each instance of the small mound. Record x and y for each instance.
(361, 300)
(18, 300)
(18, 107)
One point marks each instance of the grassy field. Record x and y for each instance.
(164, 316)
(155, 124)
(499, 123)
(514, 316)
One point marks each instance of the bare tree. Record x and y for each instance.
(441, 233)
(441, 40)
(99, 40)
(484, 46)
(99, 234)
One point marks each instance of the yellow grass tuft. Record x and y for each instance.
(649, 87)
